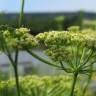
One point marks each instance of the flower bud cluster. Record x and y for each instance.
(19, 38)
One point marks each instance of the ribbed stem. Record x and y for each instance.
(74, 83)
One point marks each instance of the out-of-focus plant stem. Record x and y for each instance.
(21, 13)
(88, 82)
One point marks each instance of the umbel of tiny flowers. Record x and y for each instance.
(19, 39)
(13, 40)
(74, 50)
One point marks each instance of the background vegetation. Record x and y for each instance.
(40, 22)
(39, 86)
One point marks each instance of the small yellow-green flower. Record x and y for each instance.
(19, 38)
(60, 44)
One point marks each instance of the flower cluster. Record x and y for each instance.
(41, 37)
(90, 38)
(60, 44)
(19, 38)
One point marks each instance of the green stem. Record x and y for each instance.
(88, 81)
(21, 13)
(65, 69)
(74, 83)
(15, 66)
(10, 71)
(42, 59)
(87, 59)
(16, 56)
(77, 57)
(17, 79)
(16, 72)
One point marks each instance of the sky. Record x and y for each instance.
(48, 5)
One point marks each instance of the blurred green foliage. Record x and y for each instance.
(38, 86)
(39, 23)
(89, 24)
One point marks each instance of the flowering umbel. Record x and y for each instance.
(68, 45)
(19, 38)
